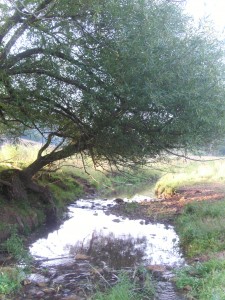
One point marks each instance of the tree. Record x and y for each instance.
(117, 80)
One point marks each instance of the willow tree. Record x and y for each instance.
(117, 80)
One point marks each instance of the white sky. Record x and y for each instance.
(214, 9)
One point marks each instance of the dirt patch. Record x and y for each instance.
(165, 209)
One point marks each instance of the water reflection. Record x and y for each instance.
(115, 252)
(110, 238)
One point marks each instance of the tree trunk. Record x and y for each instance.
(18, 184)
(12, 186)
(53, 156)
(18, 187)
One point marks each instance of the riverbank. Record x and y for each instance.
(198, 214)
(79, 263)
(194, 206)
(203, 203)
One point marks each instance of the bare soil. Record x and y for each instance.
(165, 209)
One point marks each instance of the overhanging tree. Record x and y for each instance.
(117, 80)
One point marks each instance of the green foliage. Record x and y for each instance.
(63, 186)
(205, 281)
(127, 290)
(201, 228)
(128, 182)
(139, 79)
(10, 279)
(15, 246)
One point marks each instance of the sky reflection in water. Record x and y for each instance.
(118, 242)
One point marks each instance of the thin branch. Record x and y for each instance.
(45, 146)
(74, 82)
(191, 158)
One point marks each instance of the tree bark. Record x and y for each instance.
(43, 161)
(18, 184)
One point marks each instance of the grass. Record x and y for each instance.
(63, 186)
(12, 276)
(17, 156)
(15, 247)
(201, 228)
(204, 281)
(10, 280)
(186, 173)
(125, 182)
(127, 289)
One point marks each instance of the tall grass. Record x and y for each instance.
(205, 281)
(18, 156)
(127, 289)
(201, 228)
(10, 280)
(12, 276)
(187, 172)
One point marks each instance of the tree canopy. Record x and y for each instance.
(118, 80)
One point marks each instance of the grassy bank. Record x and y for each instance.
(182, 172)
(201, 228)
(200, 225)
(67, 181)
(202, 234)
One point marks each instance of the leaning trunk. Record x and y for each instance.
(18, 185)
(47, 159)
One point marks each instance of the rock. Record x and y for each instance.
(72, 297)
(37, 278)
(187, 288)
(116, 220)
(42, 284)
(48, 291)
(80, 256)
(156, 268)
(59, 279)
(40, 294)
(26, 282)
(119, 200)
(35, 292)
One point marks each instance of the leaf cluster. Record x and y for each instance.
(117, 80)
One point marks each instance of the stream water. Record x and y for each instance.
(111, 242)
(117, 241)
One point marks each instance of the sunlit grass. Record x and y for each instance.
(18, 156)
(186, 173)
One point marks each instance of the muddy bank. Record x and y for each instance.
(26, 216)
(166, 209)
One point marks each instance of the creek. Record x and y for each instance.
(93, 236)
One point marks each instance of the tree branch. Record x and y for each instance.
(45, 146)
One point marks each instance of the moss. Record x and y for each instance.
(64, 188)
